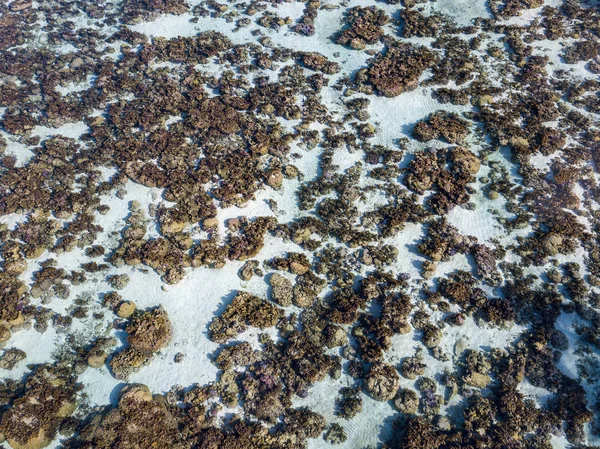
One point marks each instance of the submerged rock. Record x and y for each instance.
(10, 358)
(150, 331)
(382, 382)
(398, 70)
(281, 290)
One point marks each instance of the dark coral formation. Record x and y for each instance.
(140, 420)
(382, 382)
(509, 8)
(415, 24)
(203, 123)
(32, 420)
(148, 332)
(447, 172)
(245, 309)
(135, 11)
(398, 69)
(442, 125)
(364, 26)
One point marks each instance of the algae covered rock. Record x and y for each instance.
(305, 423)
(364, 27)
(281, 290)
(245, 309)
(150, 331)
(11, 294)
(382, 382)
(11, 357)
(139, 421)
(126, 362)
(335, 434)
(96, 359)
(399, 69)
(407, 401)
(307, 288)
(448, 126)
(32, 420)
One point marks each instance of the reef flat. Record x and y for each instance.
(295, 224)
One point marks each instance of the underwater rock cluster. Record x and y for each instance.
(375, 252)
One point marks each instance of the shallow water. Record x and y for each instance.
(114, 121)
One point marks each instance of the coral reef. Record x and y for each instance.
(127, 156)
(398, 69)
